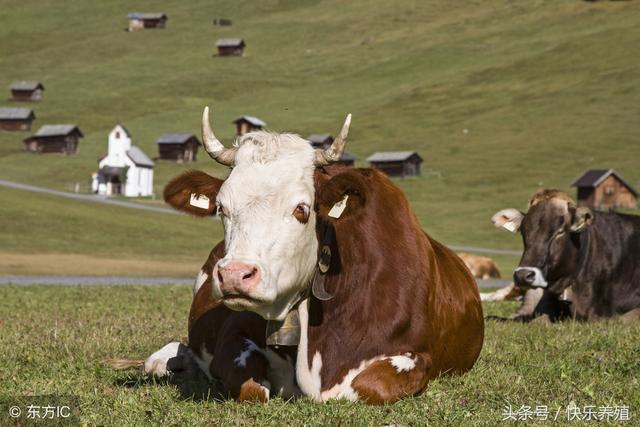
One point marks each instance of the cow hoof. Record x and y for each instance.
(169, 358)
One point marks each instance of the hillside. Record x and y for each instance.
(500, 98)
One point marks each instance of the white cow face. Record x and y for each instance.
(266, 205)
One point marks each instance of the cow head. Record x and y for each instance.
(267, 209)
(551, 235)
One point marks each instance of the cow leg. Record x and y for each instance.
(242, 367)
(630, 315)
(170, 358)
(392, 378)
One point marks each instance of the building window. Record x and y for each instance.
(118, 135)
(608, 191)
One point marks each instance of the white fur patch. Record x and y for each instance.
(204, 360)
(241, 360)
(308, 378)
(202, 277)
(156, 364)
(403, 363)
(343, 390)
(539, 281)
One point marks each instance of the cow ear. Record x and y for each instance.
(582, 218)
(341, 196)
(193, 192)
(509, 219)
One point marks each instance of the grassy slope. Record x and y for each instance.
(45, 224)
(545, 89)
(54, 338)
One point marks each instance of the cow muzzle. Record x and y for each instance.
(236, 281)
(529, 277)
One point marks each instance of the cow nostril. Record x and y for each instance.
(530, 276)
(250, 274)
(220, 278)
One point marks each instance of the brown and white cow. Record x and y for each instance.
(396, 308)
(481, 267)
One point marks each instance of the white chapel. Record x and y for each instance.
(125, 170)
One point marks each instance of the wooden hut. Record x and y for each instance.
(323, 141)
(604, 189)
(246, 124)
(54, 139)
(396, 163)
(230, 47)
(16, 118)
(26, 91)
(223, 22)
(139, 21)
(179, 147)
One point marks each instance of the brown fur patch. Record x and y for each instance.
(252, 391)
(381, 383)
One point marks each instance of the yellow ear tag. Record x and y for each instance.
(339, 207)
(199, 201)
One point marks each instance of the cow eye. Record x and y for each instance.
(221, 210)
(301, 213)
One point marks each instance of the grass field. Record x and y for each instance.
(499, 97)
(54, 338)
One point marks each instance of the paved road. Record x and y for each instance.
(131, 205)
(125, 280)
(86, 197)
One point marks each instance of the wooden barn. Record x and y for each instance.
(223, 22)
(54, 139)
(605, 189)
(16, 118)
(140, 21)
(179, 147)
(230, 47)
(324, 140)
(246, 124)
(396, 163)
(26, 91)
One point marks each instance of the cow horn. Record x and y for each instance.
(216, 150)
(334, 153)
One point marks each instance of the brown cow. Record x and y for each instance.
(481, 267)
(390, 308)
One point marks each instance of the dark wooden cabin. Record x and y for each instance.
(246, 124)
(26, 91)
(397, 163)
(16, 118)
(54, 139)
(323, 141)
(605, 189)
(179, 147)
(140, 21)
(230, 47)
(223, 22)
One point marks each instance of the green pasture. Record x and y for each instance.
(53, 340)
(499, 97)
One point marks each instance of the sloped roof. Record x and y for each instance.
(110, 171)
(139, 157)
(26, 85)
(594, 177)
(320, 138)
(144, 15)
(230, 42)
(251, 120)
(57, 130)
(392, 156)
(175, 138)
(348, 157)
(126, 131)
(16, 113)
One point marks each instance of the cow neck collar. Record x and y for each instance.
(287, 332)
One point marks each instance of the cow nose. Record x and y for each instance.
(524, 277)
(237, 277)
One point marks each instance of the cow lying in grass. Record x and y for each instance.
(595, 254)
(332, 254)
